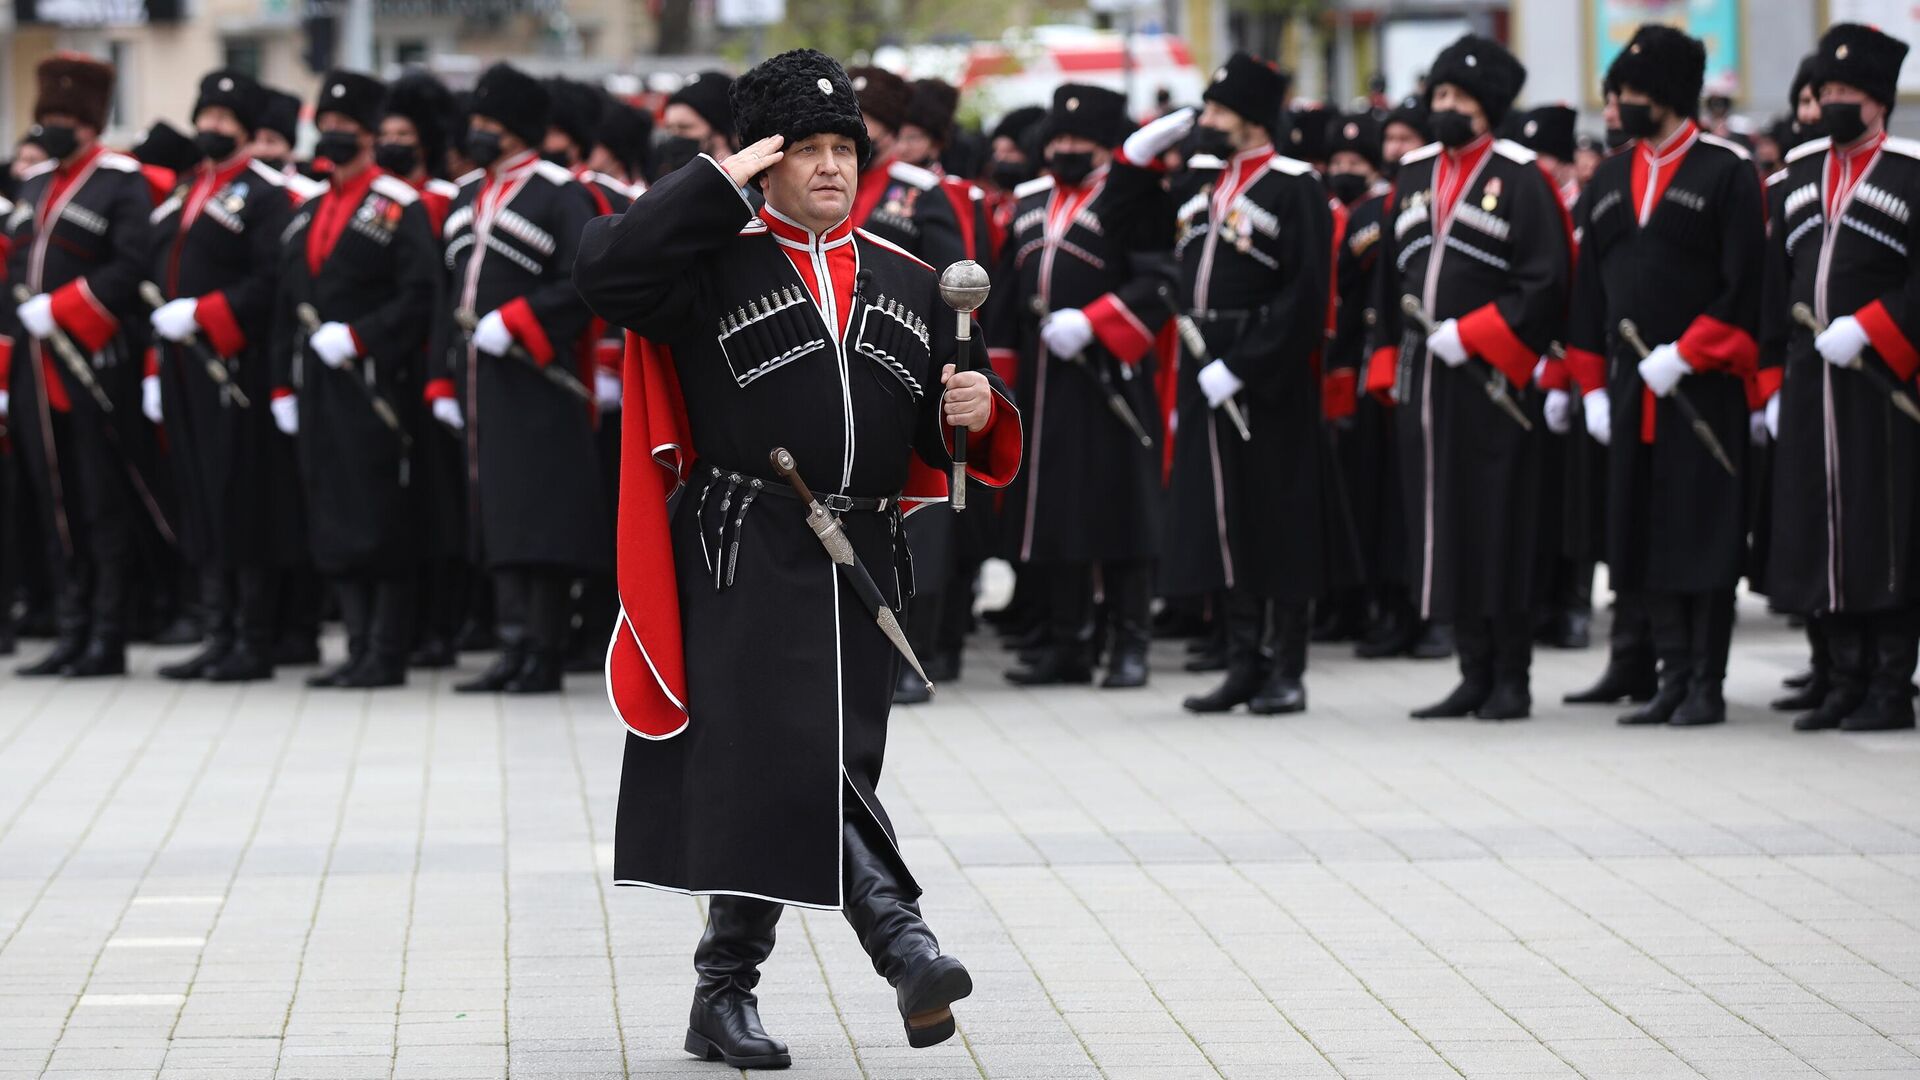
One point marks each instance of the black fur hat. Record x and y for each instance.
(1090, 112)
(428, 106)
(515, 100)
(1017, 123)
(1484, 69)
(575, 109)
(1413, 113)
(1306, 137)
(1665, 64)
(932, 105)
(709, 93)
(280, 114)
(1863, 57)
(1807, 74)
(1545, 130)
(360, 98)
(883, 95)
(1251, 87)
(1358, 133)
(168, 147)
(77, 85)
(796, 94)
(627, 134)
(236, 91)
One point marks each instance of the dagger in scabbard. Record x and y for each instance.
(1482, 372)
(1703, 431)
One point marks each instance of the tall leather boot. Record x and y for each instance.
(1848, 669)
(1065, 658)
(1710, 620)
(355, 595)
(545, 669)
(904, 951)
(511, 600)
(1395, 627)
(1511, 697)
(252, 655)
(216, 600)
(1667, 616)
(106, 651)
(1283, 691)
(388, 636)
(1631, 673)
(1810, 691)
(1889, 702)
(724, 1023)
(1130, 611)
(70, 628)
(1243, 620)
(1473, 640)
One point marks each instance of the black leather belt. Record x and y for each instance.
(1226, 315)
(839, 504)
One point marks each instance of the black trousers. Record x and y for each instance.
(1127, 587)
(88, 524)
(532, 607)
(378, 612)
(1692, 632)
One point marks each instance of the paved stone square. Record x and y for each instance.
(209, 882)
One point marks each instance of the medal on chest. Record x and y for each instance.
(1490, 195)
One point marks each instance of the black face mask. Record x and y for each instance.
(558, 157)
(217, 145)
(1808, 132)
(483, 147)
(277, 164)
(1007, 175)
(1348, 187)
(1206, 140)
(398, 158)
(1617, 138)
(338, 147)
(1454, 129)
(1072, 168)
(1637, 122)
(1841, 119)
(58, 140)
(674, 151)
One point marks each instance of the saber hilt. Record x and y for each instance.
(1196, 343)
(1884, 380)
(964, 286)
(467, 321)
(1489, 377)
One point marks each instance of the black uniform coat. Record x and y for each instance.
(1472, 478)
(788, 680)
(1845, 475)
(87, 248)
(382, 277)
(534, 493)
(1090, 491)
(1689, 275)
(1368, 460)
(217, 238)
(1253, 248)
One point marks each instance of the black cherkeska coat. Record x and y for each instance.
(534, 494)
(1090, 491)
(788, 678)
(1845, 466)
(1471, 476)
(382, 278)
(1253, 248)
(1690, 275)
(1367, 528)
(216, 238)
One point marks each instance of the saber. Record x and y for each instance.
(1884, 380)
(1196, 344)
(557, 376)
(1486, 374)
(833, 537)
(70, 357)
(216, 366)
(1631, 335)
(310, 320)
(964, 287)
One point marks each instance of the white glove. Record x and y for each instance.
(1559, 412)
(1158, 137)
(286, 414)
(491, 335)
(1067, 332)
(1219, 383)
(1445, 343)
(5, 400)
(606, 391)
(1757, 432)
(36, 315)
(1840, 343)
(1663, 369)
(150, 397)
(1599, 416)
(447, 411)
(1773, 416)
(333, 344)
(174, 320)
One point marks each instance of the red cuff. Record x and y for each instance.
(152, 366)
(1337, 398)
(222, 329)
(1764, 384)
(6, 361)
(1554, 376)
(1711, 345)
(359, 347)
(160, 182)
(1005, 363)
(83, 316)
(437, 389)
(609, 354)
(57, 398)
(1487, 335)
(1588, 369)
(1156, 165)
(993, 452)
(527, 330)
(1119, 329)
(1383, 367)
(282, 392)
(1888, 340)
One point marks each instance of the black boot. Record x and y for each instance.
(904, 951)
(195, 666)
(1889, 702)
(1848, 667)
(1810, 686)
(724, 1024)
(1436, 642)
(1464, 700)
(910, 689)
(1474, 640)
(498, 674)
(1130, 610)
(1128, 668)
(336, 675)
(433, 654)
(1283, 691)
(1511, 697)
(1704, 705)
(541, 674)
(1676, 676)
(1056, 666)
(1242, 622)
(1394, 630)
(245, 662)
(66, 650)
(377, 671)
(1627, 676)
(105, 654)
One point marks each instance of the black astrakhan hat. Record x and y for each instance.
(1306, 137)
(168, 147)
(1357, 133)
(1807, 74)
(627, 134)
(281, 114)
(1863, 57)
(1545, 130)
(1090, 112)
(932, 107)
(360, 98)
(515, 100)
(1484, 69)
(76, 85)
(428, 106)
(709, 93)
(796, 94)
(236, 91)
(1665, 64)
(575, 109)
(1413, 113)
(1251, 87)
(1017, 123)
(883, 95)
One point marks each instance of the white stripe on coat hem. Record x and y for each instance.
(725, 892)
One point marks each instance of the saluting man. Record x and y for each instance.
(1479, 241)
(1253, 248)
(754, 677)
(1847, 464)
